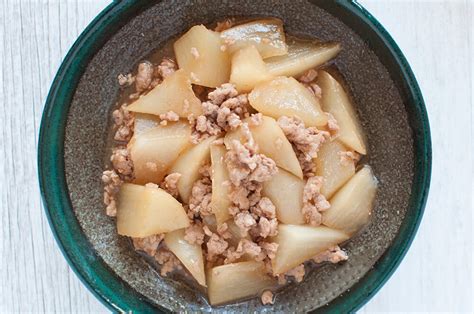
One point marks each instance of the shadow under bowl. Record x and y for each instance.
(76, 123)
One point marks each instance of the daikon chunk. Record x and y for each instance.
(248, 69)
(286, 193)
(302, 56)
(285, 96)
(352, 205)
(237, 281)
(297, 244)
(336, 102)
(266, 35)
(188, 165)
(189, 254)
(199, 52)
(143, 211)
(173, 94)
(329, 166)
(154, 151)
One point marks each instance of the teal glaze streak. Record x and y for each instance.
(91, 269)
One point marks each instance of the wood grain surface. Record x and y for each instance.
(436, 37)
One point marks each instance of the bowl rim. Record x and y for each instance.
(100, 279)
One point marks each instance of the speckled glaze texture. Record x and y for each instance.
(379, 104)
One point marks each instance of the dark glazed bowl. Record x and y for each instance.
(75, 125)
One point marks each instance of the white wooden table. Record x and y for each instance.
(437, 39)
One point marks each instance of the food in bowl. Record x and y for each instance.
(236, 161)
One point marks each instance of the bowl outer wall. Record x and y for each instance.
(98, 277)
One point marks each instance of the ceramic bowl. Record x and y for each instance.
(76, 122)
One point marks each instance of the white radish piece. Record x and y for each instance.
(144, 122)
(144, 211)
(189, 254)
(266, 35)
(188, 165)
(199, 53)
(173, 94)
(154, 151)
(237, 281)
(248, 69)
(286, 193)
(297, 244)
(351, 206)
(285, 96)
(329, 166)
(220, 201)
(336, 101)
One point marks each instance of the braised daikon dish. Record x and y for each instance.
(235, 160)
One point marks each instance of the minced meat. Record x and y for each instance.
(333, 126)
(170, 184)
(306, 141)
(144, 76)
(313, 201)
(270, 248)
(170, 116)
(247, 170)
(267, 297)
(267, 228)
(348, 157)
(223, 111)
(315, 90)
(223, 231)
(168, 261)
(216, 245)
(123, 124)
(201, 192)
(112, 183)
(244, 221)
(307, 79)
(332, 255)
(297, 273)
(165, 68)
(194, 234)
(149, 244)
(309, 76)
(125, 79)
(264, 208)
(122, 163)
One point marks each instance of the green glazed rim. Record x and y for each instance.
(91, 269)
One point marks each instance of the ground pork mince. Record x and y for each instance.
(332, 255)
(170, 183)
(313, 201)
(223, 111)
(123, 123)
(305, 140)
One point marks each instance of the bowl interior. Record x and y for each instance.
(381, 104)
